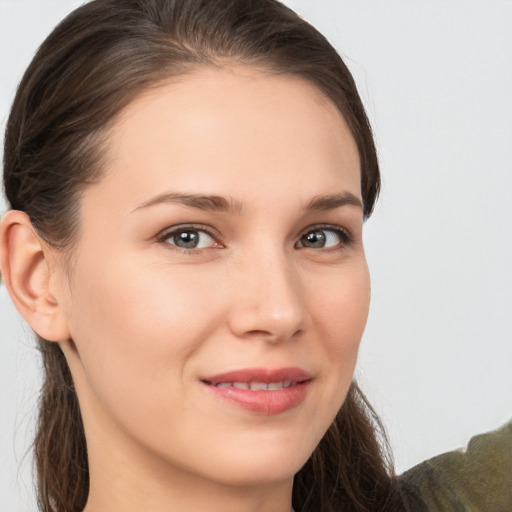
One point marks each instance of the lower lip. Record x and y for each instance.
(274, 401)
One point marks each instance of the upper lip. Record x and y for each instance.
(265, 375)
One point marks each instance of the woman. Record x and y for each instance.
(188, 182)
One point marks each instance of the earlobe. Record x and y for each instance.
(27, 276)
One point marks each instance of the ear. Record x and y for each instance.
(27, 276)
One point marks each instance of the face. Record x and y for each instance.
(220, 254)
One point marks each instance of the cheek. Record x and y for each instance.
(135, 329)
(342, 305)
(342, 310)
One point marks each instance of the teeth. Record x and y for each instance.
(257, 386)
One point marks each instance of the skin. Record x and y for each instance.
(141, 321)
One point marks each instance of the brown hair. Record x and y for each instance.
(92, 66)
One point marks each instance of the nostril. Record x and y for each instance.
(271, 337)
(262, 333)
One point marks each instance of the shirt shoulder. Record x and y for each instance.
(478, 479)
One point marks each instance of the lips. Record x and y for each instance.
(261, 390)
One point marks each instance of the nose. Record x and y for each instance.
(267, 300)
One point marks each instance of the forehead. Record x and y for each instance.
(215, 127)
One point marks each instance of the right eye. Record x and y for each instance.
(189, 238)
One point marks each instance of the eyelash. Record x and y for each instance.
(344, 236)
(174, 231)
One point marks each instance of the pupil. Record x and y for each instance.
(187, 239)
(315, 239)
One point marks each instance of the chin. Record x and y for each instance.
(250, 475)
(262, 465)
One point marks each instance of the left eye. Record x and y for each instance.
(190, 239)
(323, 238)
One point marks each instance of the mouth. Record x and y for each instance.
(259, 390)
(255, 385)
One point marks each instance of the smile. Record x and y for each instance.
(257, 386)
(261, 391)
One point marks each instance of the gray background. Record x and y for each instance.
(436, 77)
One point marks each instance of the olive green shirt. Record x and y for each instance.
(476, 480)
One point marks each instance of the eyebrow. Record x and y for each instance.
(212, 203)
(329, 202)
(215, 203)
